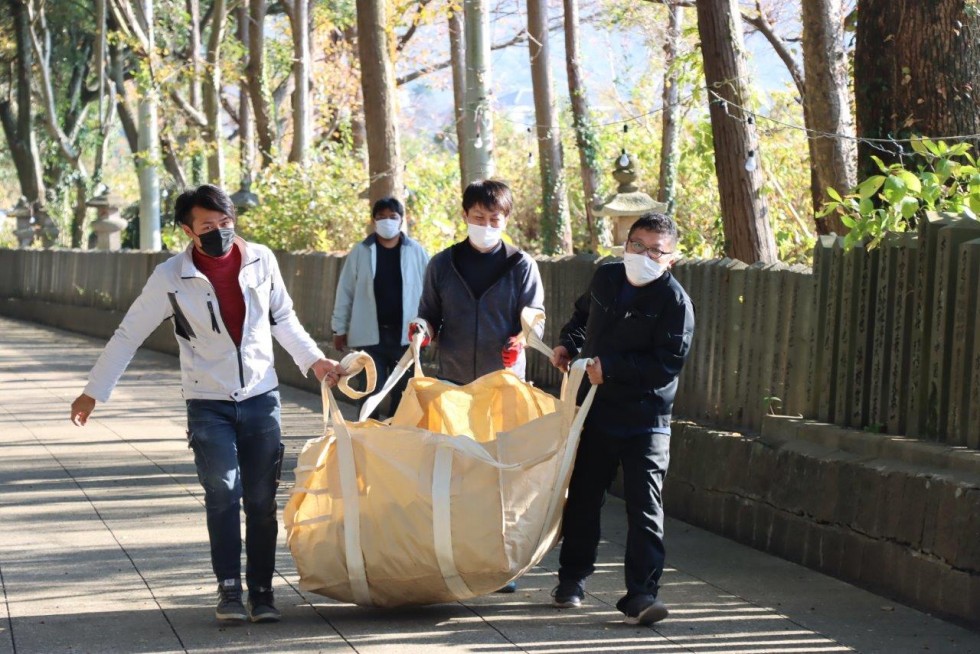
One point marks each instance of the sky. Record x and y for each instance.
(611, 60)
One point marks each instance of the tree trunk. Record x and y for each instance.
(246, 127)
(212, 99)
(745, 215)
(194, 88)
(916, 72)
(669, 150)
(19, 129)
(478, 119)
(457, 55)
(828, 105)
(378, 86)
(556, 230)
(302, 107)
(149, 145)
(585, 137)
(264, 123)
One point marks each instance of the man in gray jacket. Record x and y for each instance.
(378, 293)
(475, 290)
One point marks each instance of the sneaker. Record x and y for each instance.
(568, 594)
(642, 609)
(509, 588)
(261, 607)
(230, 601)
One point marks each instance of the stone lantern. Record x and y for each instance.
(25, 229)
(243, 198)
(108, 224)
(628, 203)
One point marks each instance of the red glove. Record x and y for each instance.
(511, 351)
(414, 327)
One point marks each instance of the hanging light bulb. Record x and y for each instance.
(752, 163)
(530, 160)
(624, 159)
(478, 142)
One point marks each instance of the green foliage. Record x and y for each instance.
(313, 206)
(946, 179)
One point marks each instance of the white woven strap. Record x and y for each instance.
(530, 319)
(349, 492)
(442, 475)
(354, 363)
(410, 358)
(574, 427)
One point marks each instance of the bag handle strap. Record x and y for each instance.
(410, 358)
(357, 575)
(354, 363)
(530, 320)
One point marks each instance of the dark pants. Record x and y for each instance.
(386, 355)
(644, 460)
(238, 453)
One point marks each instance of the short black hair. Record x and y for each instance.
(655, 222)
(491, 193)
(387, 203)
(205, 196)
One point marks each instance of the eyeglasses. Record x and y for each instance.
(636, 247)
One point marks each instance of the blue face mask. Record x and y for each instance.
(217, 242)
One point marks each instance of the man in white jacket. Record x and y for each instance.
(227, 301)
(378, 293)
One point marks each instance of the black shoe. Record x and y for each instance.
(262, 607)
(509, 588)
(642, 609)
(230, 606)
(568, 594)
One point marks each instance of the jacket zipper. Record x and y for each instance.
(214, 320)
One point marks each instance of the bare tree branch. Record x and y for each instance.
(761, 22)
(520, 37)
(196, 115)
(47, 94)
(410, 32)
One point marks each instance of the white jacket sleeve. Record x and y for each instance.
(286, 327)
(344, 301)
(149, 310)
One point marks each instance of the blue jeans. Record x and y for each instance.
(238, 454)
(644, 459)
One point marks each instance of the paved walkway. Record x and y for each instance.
(103, 548)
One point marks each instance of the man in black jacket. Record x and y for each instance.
(636, 323)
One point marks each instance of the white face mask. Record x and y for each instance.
(387, 227)
(485, 238)
(641, 269)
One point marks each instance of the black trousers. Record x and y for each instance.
(644, 460)
(386, 355)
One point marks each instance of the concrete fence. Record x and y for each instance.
(885, 340)
(750, 355)
(897, 345)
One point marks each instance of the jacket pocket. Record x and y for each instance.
(181, 326)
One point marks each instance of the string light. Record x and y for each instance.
(624, 159)
(478, 141)
(752, 163)
(530, 152)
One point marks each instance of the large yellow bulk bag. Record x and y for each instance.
(461, 492)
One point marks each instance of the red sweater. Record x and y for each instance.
(222, 272)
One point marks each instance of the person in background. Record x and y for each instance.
(636, 323)
(474, 293)
(227, 301)
(378, 293)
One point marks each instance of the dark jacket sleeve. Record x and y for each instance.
(430, 303)
(573, 333)
(661, 364)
